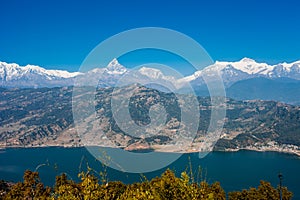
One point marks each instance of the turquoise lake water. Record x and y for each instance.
(234, 170)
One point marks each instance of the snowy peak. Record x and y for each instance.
(151, 72)
(250, 66)
(247, 60)
(51, 73)
(246, 65)
(14, 70)
(115, 68)
(289, 66)
(13, 75)
(33, 68)
(245, 68)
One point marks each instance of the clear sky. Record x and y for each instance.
(59, 34)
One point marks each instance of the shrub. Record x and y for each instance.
(167, 186)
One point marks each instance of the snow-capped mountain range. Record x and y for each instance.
(13, 75)
(232, 72)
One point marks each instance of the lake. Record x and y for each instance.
(234, 170)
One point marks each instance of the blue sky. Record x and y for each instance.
(60, 34)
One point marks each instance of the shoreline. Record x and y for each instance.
(296, 153)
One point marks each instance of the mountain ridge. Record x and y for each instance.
(231, 72)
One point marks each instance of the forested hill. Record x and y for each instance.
(43, 117)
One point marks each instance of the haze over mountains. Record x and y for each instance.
(244, 79)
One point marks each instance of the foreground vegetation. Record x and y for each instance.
(167, 186)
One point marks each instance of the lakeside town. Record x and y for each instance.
(270, 146)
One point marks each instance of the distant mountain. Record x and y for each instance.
(103, 77)
(31, 76)
(115, 73)
(279, 89)
(244, 79)
(114, 67)
(246, 68)
(13, 75)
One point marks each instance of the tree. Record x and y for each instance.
(265, 191)
(167, 186)
(30, 188)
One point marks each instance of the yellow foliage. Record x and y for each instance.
(167, 186)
